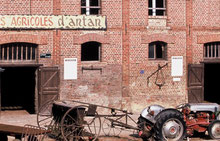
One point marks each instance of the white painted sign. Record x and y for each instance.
(176, 79)
(70, 68)
(52, 22)
(177, 66)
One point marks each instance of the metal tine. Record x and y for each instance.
(33, 133)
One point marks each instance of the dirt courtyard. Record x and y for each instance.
(22, 117)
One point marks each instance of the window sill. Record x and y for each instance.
(19, 61)
(86, 62)
(20, 65)
(211, 60)
(157, 22)
(91, 14)
(157, 17)
(149, 59)
(92, 63)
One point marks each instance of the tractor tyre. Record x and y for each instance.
(145, 128)
(218, 116)
(214, 129)
(170, 126)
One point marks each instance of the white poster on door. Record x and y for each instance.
(177, 66)
(70, 68)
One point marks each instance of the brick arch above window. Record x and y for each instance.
(169, 39)
(27, 38)
(202, 39)
(104, 39)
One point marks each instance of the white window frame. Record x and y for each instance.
(88, 7)
(154, 8)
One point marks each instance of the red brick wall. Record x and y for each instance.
(138, 13)
(28, 38)
(101, 87)
(188, 25)
(206, 13)
(15, 7)
(113, 10)
(145, 92)
(42, 7)
(176, 13)
(206, 17)
(44, 39)
(97, 86)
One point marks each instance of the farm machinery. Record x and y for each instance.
(183, 121)
(80, 121)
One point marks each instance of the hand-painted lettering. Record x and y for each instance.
(52, 22)
(2, 21)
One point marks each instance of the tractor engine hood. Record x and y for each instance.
(151, 112)
(197, 107)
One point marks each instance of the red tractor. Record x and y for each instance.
(176, 124)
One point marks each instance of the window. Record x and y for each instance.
(90, 51)
(18, 51)
(212, 50)
(157, 7)
(157, 50)
(90, 7)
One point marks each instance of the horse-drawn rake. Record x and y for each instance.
(73, 120)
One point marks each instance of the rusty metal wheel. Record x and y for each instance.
(44, 115)
(109, 129)
(46, 120)
(78, 124)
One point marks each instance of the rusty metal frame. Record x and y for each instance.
(117, 118)
(156, 72)
(91, 68)
(114, 114)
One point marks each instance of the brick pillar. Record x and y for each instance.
(189, 22)
(56, 34)
(56, 47)
(56, 7)
(125, 53)
(189, 53)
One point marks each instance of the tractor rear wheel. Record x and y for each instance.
(170, 126)
(214, 129)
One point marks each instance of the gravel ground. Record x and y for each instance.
(21, 118)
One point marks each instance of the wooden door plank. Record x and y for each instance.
(196, 83)
(48, 84)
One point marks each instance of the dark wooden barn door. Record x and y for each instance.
(196, 83)
(49, 80)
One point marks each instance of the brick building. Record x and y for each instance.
(118, 53)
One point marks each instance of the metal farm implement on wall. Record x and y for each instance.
(75, 120)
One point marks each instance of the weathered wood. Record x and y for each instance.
(18, 131)
(49, 84)
(20, 65)
(196, 83)
(18, 52)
